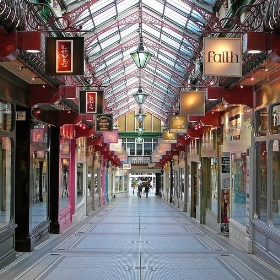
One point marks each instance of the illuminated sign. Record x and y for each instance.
(178, 124)
(192, 103)
(91, 102)
(64, 56)
(168, 137)
(222, 57)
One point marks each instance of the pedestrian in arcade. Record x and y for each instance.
(147, 189)
(140, 189)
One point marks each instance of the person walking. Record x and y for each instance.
(140, 189)
(147, 188)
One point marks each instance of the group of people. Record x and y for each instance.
(143, 185)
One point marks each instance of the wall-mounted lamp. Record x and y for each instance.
(256, 42)
(34, 78)
(23, 67)
(30, 41)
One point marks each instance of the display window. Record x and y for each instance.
(261, 122)
(238, 187)
(274, 113)
(40, 174)
(276, 183)
(261, 181)
(5, 180)
(214, 185)
(64, 180)
(6, 113)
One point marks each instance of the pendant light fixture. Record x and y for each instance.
(140, 116)
(140, 97)
(140, 56)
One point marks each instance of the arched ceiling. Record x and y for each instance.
(172, 31)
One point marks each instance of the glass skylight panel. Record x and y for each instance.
(155, 5)
(174, 16)
(87, 25)
(180, 5)
(171, 42)
(152, 30)
(125, 5)
(197, 17)
(100, 18)
(107, 34)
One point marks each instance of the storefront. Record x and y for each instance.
(265, 209)
(7, 214)
(195, 182)
(235, 182)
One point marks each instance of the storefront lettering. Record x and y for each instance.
(224, 57)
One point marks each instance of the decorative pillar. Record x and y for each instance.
(103, 181)
(186, 180)
(171, 182)
(54, 179)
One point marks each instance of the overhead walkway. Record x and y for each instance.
(138, 238)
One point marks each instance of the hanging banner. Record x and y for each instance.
(111, 136)
(168, 137)
(91, 102)
(104, 122)
(60, 58)
(222, 57)
(178, 124)
(192, 103)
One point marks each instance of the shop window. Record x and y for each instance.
(64, 182)
(40, 173)
(276, 183)
(214, 185)
(147, 148)
(80, 184)
(261, 181)
(6, 113)
(238, 187)
(5, 180)
(261, 122)
(274, 114)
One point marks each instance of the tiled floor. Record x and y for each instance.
(138, 239)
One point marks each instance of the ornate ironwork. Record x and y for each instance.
(41, 17)
(11, 14)
(254, 20)
(272, 16)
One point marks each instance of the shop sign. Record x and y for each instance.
(192, 103)
(117, 147)
(222, 57)
(111, 136)
(178, 124)
(60, 58)
(168, 137)
(91, 102)
(104, 122)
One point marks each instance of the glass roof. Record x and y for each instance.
(172, 32)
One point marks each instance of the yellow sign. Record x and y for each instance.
(178, 124)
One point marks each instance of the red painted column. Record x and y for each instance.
(72, 177)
